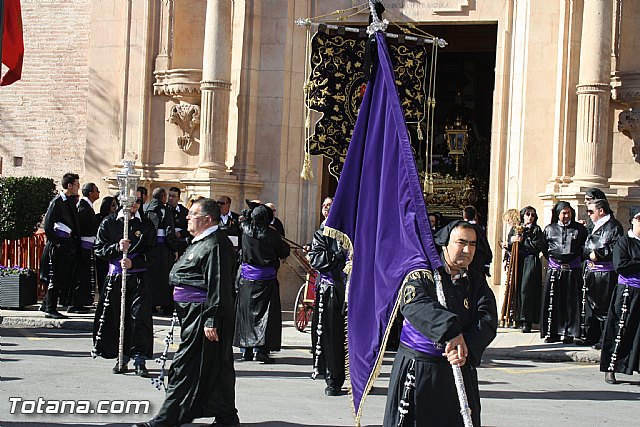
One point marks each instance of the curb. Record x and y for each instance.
(30, 322)
(551, 355)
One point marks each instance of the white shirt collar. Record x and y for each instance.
(599, 223)
(87, 200)
(63, 196)
(633, 235)
(121, 214)
(205, 233)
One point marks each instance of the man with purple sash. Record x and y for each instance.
(58, 263)
(202, 377)
(85, 285)
(599, 275)
(138, 326)
(621, 335)
(564, 238)
(328, 322)
(258, 309)
(166, 251)
(422, 390)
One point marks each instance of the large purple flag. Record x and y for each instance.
(380, 215)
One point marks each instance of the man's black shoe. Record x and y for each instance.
(42, 308)
(247, 356)
(551, 339)
(333, 391)
(597, 346)
(228, 421)
(566, 339)
(610, 378)
(264, 358)
(141, 370)
(526, 327)
(116, 369)
(79, 310)
(54, 315)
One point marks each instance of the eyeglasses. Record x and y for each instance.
(222, 203)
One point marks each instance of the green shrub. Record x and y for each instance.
(23, 202)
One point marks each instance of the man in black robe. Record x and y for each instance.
(435, 337)
(138, 327)
(179, 220)
(565, 238)
(202, 377)
(529, 281)
(58, 263)
(275, 222)
(599, 274)
(258, 314)
(328, 322)
(85, 287)
(621, 336)
(166, 251)
(229, 221)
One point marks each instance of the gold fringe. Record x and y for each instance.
(307, 173)
(412, 275)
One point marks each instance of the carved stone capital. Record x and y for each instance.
(215, 85)
(629, 125)
(593, 88)
(187, 118)
(626, 88)
(178, 83)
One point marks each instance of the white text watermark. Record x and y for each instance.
(44, 406)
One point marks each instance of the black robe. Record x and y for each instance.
(258, 309)
(162, 217)
(58, 262)
(328, 259)
(529, 281)
(138, 333)
(562, 287)
(626, 260)
(202, 377)
(598, 285)
(471, 311)
(180, 221)
(85, 288)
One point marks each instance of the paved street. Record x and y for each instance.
(55, 364)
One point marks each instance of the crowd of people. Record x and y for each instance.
(217, 270)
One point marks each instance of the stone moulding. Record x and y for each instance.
(629, 125)
(187, 118)
(178, 83)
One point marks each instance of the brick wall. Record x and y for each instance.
(43, 116)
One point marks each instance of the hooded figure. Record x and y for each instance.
(565, 238)
(258, 309)
(529, 268)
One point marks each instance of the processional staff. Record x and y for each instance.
(127, 183)
(511, 217)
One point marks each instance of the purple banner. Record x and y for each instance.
(631, 280)
(573, 264)
(189, 294)
(253, 272)
(86, 245)
(379, 214)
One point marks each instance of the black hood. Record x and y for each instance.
(557, 208)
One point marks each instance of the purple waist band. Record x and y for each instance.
(603, 266)
(416, 341)
(573, 264)
(253, 272)
(189, 294)
(161, 240)
(86, 245)
(116, 268)
(632, 280)
(63, 234)
(327, 278)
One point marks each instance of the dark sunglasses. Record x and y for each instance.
(222, 203)
(589, 211)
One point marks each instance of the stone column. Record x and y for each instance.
(215, 88)
(594, 93)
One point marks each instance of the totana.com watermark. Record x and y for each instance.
(44, 406)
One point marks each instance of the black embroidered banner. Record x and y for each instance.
(337, 83)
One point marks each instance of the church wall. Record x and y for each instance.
(43, 116)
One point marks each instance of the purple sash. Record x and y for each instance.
(600, 266)
(327, 279)
(254, 272)
(116, 268)
(86, 245)
(189, 294)
(161, 240)
(62, 234)
(571, 265)
(416, 341)
(631, 280)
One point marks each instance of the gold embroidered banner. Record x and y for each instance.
(337, 83)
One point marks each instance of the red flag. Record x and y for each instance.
(12, 44)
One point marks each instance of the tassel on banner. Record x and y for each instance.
(306, 173)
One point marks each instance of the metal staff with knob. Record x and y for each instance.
(128, 183)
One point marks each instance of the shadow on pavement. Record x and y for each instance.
(587, 395)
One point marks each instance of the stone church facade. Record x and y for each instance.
(208, 95)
